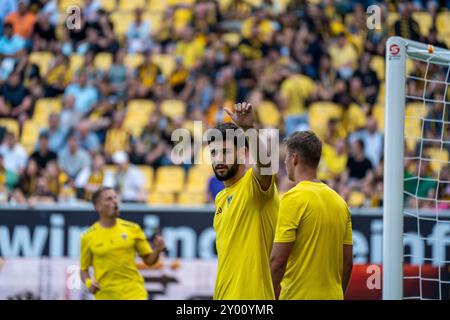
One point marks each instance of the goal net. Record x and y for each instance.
(416, 172)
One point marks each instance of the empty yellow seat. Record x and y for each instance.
(111, 168)
(439, 158)
(356, 199)
(42, 60)
(108, 5)
(30, 134)
(44, 107)
(232, 38)
(64, 4)
(161, 198)
(319, 115)
(103, 61)
(377, 64)
(165, 62)
(169, 179)
(76, 62)
(134, 60)
(378, 114)
(173, 108)
(443, 22)
(198, 178)
(130, 5)
(425, 21)
(121, 21)
(147, 172)
(11, 125)
(413, 124)
(138, 112)
(191, 198)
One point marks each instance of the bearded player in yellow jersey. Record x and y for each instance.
(246, 212)
(312, 252)
(110, 246)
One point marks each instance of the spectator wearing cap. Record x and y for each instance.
(22, 20)
(43, 154)
(129, 181)
(14, 155)
(73, 158)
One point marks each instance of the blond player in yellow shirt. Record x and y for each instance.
(110, 246)
(246, 213)
(312, 252)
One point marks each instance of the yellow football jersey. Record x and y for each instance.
(112, 253)
(318, 221)
(245, 222)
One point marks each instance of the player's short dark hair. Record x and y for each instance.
(307, 145)
(238, 133)
(97, 194)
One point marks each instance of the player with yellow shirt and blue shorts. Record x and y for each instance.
(110, 246)
(246, 213)
(312, 252)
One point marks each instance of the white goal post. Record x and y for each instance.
(398, 51)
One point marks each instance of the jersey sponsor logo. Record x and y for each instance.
(229, 200)
(124, 236)
(219, 211)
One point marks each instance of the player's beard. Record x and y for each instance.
(227, 175)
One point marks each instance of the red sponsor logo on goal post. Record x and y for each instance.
(394, 50)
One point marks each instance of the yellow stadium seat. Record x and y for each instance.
(425, 21)
(157, 5)
(165, 62)
(356, 118)
(134, 60)
(378, 114)
(443, 22)
(103, 61)
(147, 172)
(413, 124)
(191, 198)
(11, 125)
(130, 5)
(44, 107)
(155, 18)
(138, 112)
(30, 134)
(392, 18)
(182, 17)
(377, 64)
(42, 59)
(173, 108)
(198, 177)
(76, 62)
(169, 179)
(439, 158)
(161, 198)
(64, 4)
(268, 114)
(108, 5)
(121, 21)
(356, 199)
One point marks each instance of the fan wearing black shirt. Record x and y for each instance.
(358, 166)
(43, 154)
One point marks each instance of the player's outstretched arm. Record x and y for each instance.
(244, 117)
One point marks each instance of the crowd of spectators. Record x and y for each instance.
(293, 56)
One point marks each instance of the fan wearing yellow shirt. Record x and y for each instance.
(246, 212)
(109, 246)
(312, 252)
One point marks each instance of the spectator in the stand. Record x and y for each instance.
(11, 45)
(28, 179)
(44, 34)
(7, 7)
(15, 99)
(407, 27)
(56, 132)
(373, 141)
(147, 73)
(90, 10)
(58, 76)
(8, 178)
(86, 95)
(14, 155)
(118, 136)
(105, 31)
(43, 154)
(50, 9)
(43, 194)
(87, 139)
(72, 158)
(56, 178)
(359, 168)
(69, 118)
(118, 75)
(92, 177)
(22, 20)
(343, 56)
(368, 78)
(130, 184)
(139, 34)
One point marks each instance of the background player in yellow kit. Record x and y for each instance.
(246, 214)
(110, 246)
(312, 253)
